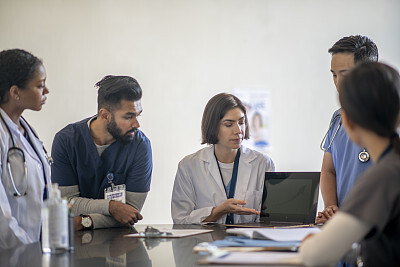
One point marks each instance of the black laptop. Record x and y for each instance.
(289, 198)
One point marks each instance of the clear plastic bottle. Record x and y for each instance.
(55, 222)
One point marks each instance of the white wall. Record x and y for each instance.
(183, 52)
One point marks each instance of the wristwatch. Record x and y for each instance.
(86, 222)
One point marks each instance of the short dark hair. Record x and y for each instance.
(363, 48)
(214, 111)
(370, 96)
(17, 67)
(113, 89)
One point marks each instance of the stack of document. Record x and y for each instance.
(255, 258)
(277, 234)
(245, 244)
(257, 246)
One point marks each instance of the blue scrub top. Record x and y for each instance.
(77, 162)
(345, 159)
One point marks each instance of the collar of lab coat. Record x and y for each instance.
(18, 136)
(26, 147)
(244, 171)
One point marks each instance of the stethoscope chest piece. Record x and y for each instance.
(363, 156)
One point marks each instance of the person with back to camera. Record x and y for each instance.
(343, 160)
(370, 100)
(223, 182)
(22, 188)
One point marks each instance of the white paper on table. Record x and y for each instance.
(175, 233)
(242, 231)
(255, 258)
(293, 234)
(277, 234)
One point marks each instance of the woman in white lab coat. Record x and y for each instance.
(223, 182)
(22, 188)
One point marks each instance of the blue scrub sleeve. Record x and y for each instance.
(139, 175)
(62, 171)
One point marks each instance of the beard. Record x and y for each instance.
(117, 134)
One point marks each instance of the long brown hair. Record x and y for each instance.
(214, 111)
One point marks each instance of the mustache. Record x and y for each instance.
(133, 130)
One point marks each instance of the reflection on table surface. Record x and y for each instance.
(178, 251)
(109, 247)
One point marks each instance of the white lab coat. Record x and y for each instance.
(198, 186)
(20, 217)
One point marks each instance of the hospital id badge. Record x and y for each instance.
(115, 192)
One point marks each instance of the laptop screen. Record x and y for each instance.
(290, 197)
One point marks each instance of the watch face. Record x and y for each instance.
(86, 222)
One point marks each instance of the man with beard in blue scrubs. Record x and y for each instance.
(103, 164)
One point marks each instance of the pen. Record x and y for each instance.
(223, 255)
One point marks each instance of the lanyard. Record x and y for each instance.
(232, 187)
(26, 135)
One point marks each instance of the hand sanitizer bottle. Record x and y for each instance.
(55, 222)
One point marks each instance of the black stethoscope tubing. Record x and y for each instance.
(21, 152)
(363, 156)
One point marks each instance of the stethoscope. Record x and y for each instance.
(16, 150)
(363, 156)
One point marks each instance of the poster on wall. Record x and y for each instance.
(257, 103)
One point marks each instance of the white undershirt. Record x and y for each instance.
(100, 149)
(226, 170)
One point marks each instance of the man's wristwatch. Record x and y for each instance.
(86, 222)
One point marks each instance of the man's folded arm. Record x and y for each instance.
(98, 209)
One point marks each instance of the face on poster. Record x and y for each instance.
(257, 103)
